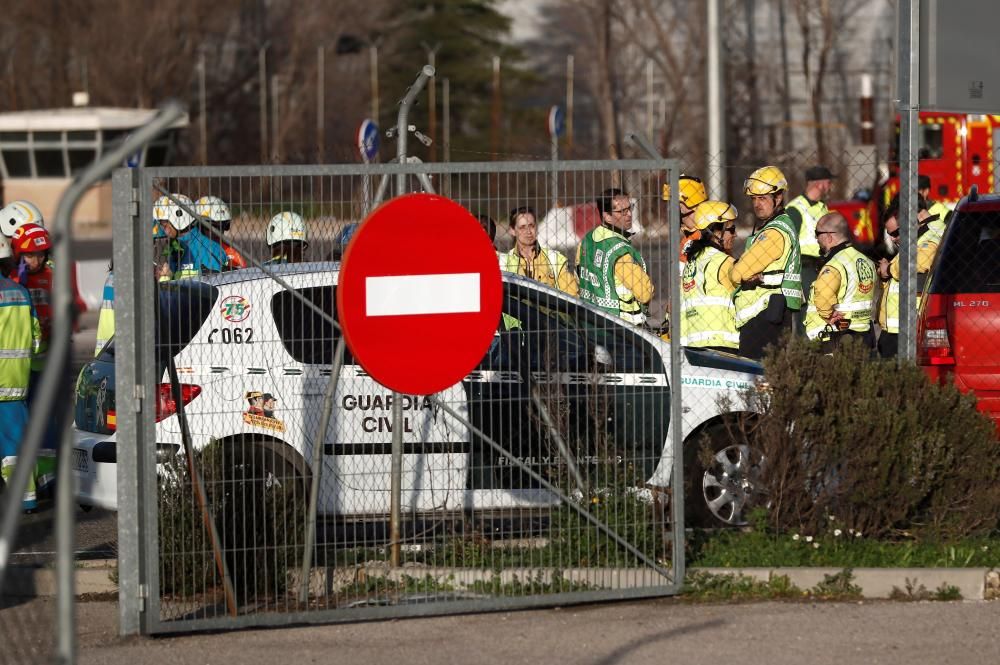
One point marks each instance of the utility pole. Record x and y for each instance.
(320, 107)
(275, 119)
(202, 120)
(649, 99)
(495, 114)
(262, 83)
(908, 60)
(446, 130)
(373, 66)
(569, 105)
(716, 158)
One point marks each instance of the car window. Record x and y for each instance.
(306, 334)
(541, 332)
(183, 308)
(970, 257)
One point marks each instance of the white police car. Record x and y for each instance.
(253, 363)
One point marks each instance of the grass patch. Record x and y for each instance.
(913, 592)
(745, 549)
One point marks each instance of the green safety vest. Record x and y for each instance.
(810, 213)
(781, 276)
(20, 340)
(599, 251)
(106, 320)
(854, 297)
(707, 311)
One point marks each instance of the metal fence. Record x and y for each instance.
(543, 478)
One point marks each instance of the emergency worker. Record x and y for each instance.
(940, 211)
(19, 213)
(221, 218)
(20, 338)
(768, 279)
(106, 319)
(927, 244)
(691, 195)
(287, 238)
(527, 257)
(804, 211)
(31, 245)
(707, 312)
(841, 298)
(189, 252)
(612, 273)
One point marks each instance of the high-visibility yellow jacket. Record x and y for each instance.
(20, 340)
(846, 284)
(548, 267)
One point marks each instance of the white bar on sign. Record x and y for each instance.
(402, 295)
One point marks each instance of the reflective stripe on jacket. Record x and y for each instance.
(855, 293)
(707, 310)
(810, 213)
(20, 340)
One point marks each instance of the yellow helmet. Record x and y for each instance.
(692, 191)
(765, 180)
(713, 212)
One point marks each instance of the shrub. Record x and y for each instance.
(874, 444)
(259, 512)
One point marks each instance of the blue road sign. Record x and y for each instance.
(368, 140)
(557, 121)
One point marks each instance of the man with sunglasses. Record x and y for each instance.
(768, 273)
(612, 273)
(841, 298)
(928, 239)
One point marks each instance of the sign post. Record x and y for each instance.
(368, 144)
(417, 319)
(556, 126)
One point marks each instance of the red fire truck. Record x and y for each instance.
(956, 151)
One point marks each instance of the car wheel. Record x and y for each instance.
(259, 500)
(723, 481)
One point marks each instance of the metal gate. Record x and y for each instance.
(256, 478)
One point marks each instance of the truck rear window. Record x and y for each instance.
(970, 259)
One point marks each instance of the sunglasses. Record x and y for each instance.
(893, 234)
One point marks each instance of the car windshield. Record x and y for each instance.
(970, 258)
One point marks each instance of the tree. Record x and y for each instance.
(465, 35)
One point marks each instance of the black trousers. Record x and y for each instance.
(888, 345)
(765, 329)
(830, 344)
(810, 270)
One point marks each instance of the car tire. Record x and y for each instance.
(722, 480)
(258, 499)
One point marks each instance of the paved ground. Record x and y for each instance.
(655, 632)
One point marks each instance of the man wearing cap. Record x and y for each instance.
(804, 211)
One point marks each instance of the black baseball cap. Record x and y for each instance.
(923, 181)
(267, 396)
(819, 173)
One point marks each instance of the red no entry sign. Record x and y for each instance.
(419, 294)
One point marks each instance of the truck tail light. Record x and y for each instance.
(933, 341)
(165, 404)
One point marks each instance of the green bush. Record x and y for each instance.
(258, 508)
(872, 443)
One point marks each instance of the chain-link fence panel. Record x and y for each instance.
(545, 476)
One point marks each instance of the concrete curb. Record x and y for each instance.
(95, 577)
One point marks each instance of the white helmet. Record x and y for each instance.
(165, 210)
(287, 226)
(5, 251)
(213, 208)
(19, 213)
